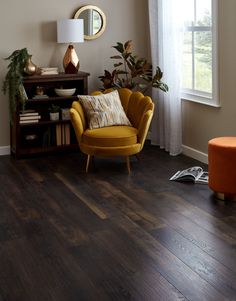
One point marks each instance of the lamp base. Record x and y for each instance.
(71, 60)
(70, 69)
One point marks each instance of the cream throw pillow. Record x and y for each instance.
(104, 110)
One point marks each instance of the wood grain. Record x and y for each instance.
(106, 235)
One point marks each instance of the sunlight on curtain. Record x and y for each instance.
(166, 41)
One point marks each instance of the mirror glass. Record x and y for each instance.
(94, 21)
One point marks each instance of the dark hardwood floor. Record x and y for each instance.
(70, 236)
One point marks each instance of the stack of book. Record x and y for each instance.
(40, 96)
(29, 116)
(48, 70)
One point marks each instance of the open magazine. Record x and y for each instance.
(193, 174)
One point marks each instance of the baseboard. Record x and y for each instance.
(5, 150)
(195, 154)
(188, 151)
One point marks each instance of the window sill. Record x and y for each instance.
(201, 100)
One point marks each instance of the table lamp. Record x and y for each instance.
(70, 31)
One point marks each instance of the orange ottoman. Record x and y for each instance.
(222, 166)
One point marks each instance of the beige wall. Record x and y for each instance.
(31, 24)
(200, 122)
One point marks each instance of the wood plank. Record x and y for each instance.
(117, 277)
(153, 285)
(125, 204)
(91, 205)
(217, 244)
(41, 269)
(200, 262)
(65, 235)
(188, 283)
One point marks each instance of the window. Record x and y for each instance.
(199, 74)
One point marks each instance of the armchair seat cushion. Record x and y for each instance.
(112, 136)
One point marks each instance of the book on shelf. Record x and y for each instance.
(48, 70)
(193, 174)
(30, 117)
(62, 134)
(28, 113)
(40, 96)
(58, 134)
(67, 134)
(29, 121)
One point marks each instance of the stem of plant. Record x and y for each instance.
(127, 79)
(148, 86)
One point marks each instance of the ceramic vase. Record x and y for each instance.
(30, 67)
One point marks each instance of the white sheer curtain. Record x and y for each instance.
(166, 41)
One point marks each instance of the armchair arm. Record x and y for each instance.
(140, 112)
(77, 119)
(144, 126)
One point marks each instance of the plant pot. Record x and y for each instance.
(54, 116)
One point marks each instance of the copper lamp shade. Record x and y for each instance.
(70, 31)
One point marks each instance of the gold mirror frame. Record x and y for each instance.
(103, 20)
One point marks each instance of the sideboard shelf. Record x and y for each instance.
(46, 136)
(50, 149)
(45, 122)
(51, 99)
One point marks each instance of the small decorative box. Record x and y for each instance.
(65, 114)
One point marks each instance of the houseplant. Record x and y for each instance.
(131, 71)
(13, 82)
(54, 112)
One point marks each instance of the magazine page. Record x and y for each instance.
(202, 178)
(189, 174)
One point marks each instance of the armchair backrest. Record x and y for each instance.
(139, 109)
(138, 105)
(78, 107)
(135, 105)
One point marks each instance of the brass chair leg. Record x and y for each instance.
(87, 164)
(128, 164)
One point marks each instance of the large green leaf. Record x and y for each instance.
(128, 46)
(117, 65)
(116, 57)
(122, 72)
(119, 47)
(133, 72)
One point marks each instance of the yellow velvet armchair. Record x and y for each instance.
(115, 140)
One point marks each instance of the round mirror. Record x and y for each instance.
(94, 21)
